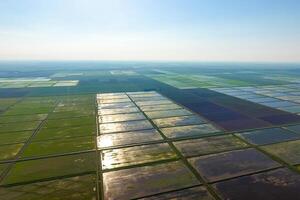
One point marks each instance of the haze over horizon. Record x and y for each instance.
(192, 30)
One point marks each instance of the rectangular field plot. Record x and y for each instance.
(117, 111)
(72, 114)
(143, 181)
(14, 137)
(125, 126)
(190, 131)
(287, 151)
(288, 99)
(14, 85)
(22, 118)
(41, 84)
(151, 102)
(282, 119)
(66, 83)
(45, 100)
(115, 158)
(9, 151)
(83, 99)
(61, 146)
(116, 105)
(111, 96)
(41, 169)
(65, 132)
(209, 145)
(78, 121)
(121, 117)
(160, 107)
(83, 109)
(35, 82)
(268, 136)
(184, 81)
(146, 99)
(148, 95)
(30, 109)
(115, 100)
(128, 138)
(6, 102)
(178, 121)
(19, 126)
(291, 109)
(123, 72)
(279, 104)
(198, 192)
(78, 187)
(168, 113)
(275, 184)
(295, 128)
(221, 166)
(242, 124)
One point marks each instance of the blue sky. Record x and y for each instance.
(185, 30)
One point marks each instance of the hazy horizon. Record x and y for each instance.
(145, 30)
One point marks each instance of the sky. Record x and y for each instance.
(150, 30)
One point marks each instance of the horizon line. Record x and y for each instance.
(154, 61)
